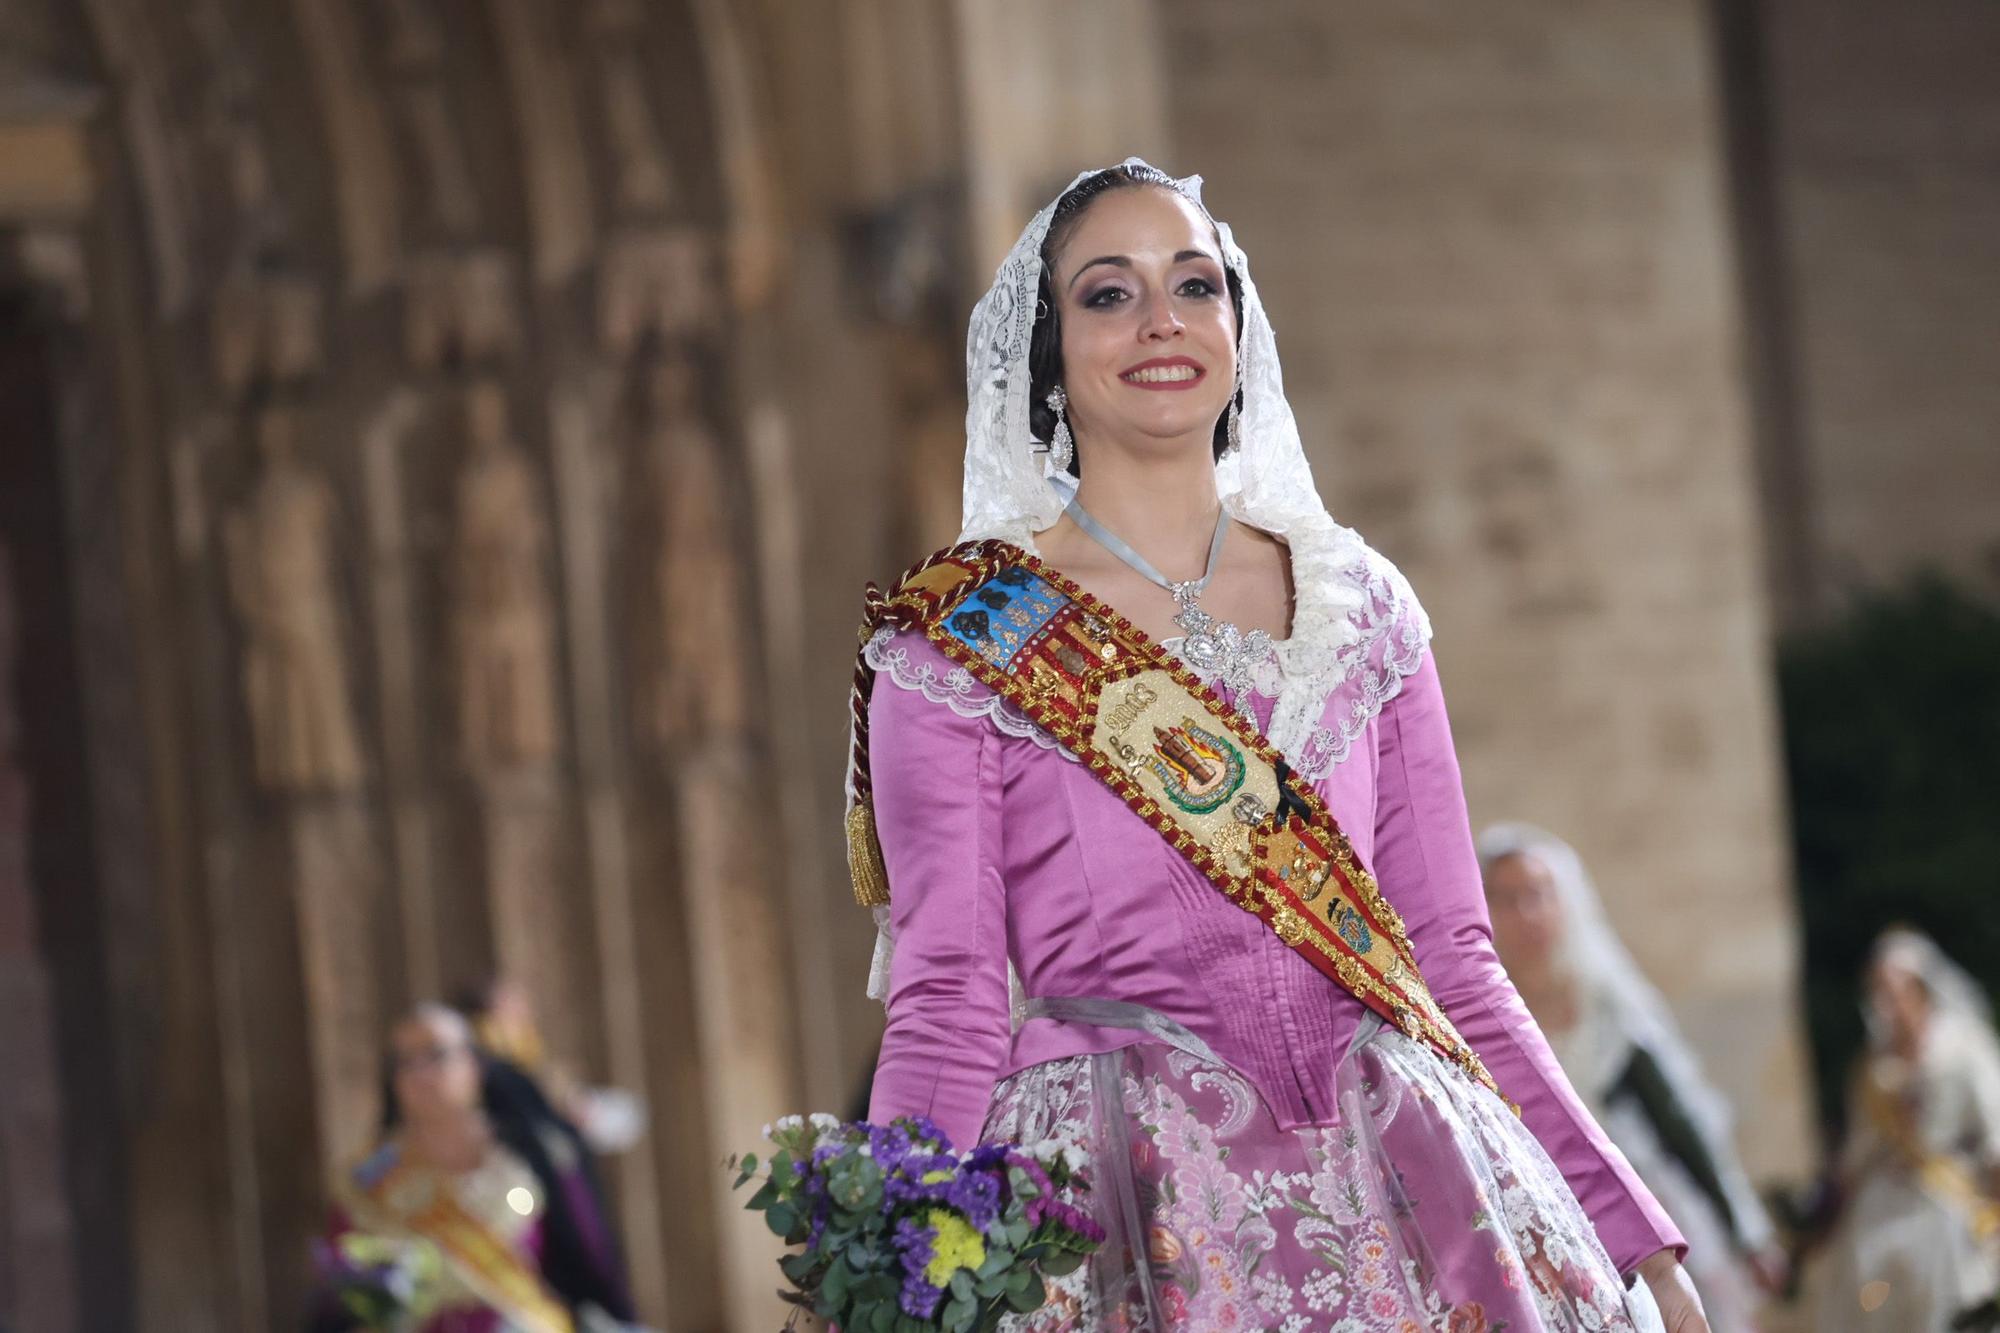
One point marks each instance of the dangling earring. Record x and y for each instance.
(1062, 446)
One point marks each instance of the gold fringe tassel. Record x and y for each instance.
(864, 857)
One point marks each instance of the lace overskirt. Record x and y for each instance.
(1426, 1205)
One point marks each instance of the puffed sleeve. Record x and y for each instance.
(937, 788)
(1428, 869)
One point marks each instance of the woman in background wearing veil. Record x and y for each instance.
(1919, 1174)
(1624, 1054)
(1154, 796)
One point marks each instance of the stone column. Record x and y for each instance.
(1496, 250)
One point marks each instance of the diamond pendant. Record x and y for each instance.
(1217, 648)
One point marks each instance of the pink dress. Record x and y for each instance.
(1265, 1154)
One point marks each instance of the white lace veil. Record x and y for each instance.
(1955, 994)
(1610, 984)
(1595, 959)
(1012, 493)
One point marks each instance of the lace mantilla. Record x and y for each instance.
(1356, 621)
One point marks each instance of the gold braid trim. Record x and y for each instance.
(1061, 693)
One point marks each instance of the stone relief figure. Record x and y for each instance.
(645, 187)
(696, 579)
(279, 548)
(266, 327)
(461, 309)
(654, 284)
(502, 619)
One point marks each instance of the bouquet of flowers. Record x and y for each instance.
(899, 1234)
(385, 1282)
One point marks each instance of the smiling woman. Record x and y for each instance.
(1204, 808)
(1101, 294)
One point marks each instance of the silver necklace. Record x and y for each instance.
(1212, 647)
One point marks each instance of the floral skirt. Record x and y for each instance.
(1426, 1206)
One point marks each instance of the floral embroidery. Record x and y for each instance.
(1352, 646)
(1327, 1227)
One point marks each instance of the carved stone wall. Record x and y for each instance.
(1870, 167)
(384, 312)
(1497, 252)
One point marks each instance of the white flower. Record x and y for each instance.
(1322, 1290)
(1272, 1292)
(823, 1122)
(1049, 1151)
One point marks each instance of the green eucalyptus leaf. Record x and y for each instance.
(1062, 1263)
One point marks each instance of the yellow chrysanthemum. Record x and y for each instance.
(936, 1177)
(957, 1246)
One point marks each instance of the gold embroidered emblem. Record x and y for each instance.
(1189, 766)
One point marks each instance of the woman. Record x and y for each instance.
(1920, 1171)
(1157, 683)
(480, 1198)
(1622, 1051)
(502, 1013)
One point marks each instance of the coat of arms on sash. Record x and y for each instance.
(1182, 760)
(1199, 769)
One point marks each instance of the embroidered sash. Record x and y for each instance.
(1945, 1177)
(484, 1261)
(1180, 759)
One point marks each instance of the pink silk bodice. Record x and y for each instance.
(999, 847)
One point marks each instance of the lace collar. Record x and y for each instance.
(1354, 616)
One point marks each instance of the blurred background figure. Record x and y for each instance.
(1620, 1046)
(1918, 1178)
(477, 1213)
(502, 1013)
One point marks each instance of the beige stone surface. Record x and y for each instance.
(1884, 150)
(1495, 250)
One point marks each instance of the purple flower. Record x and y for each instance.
(1045, 1190)
(918, 1298)
(890, 1144)
(987, 1157)
(923, 1127)
(977, 1195)
(912, 1242)
(1074, 1219)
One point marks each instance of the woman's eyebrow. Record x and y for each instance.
(1120, 261)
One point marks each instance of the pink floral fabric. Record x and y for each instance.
(1424, 1207)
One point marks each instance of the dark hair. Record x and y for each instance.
(1045, 342)
(581, 1258)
